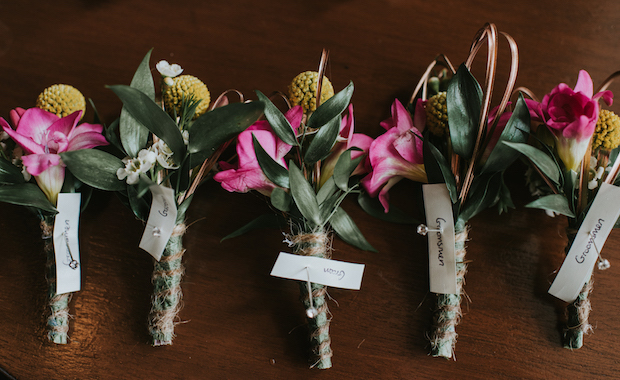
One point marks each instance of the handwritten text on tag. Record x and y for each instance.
(66, 245)
(160, 224)
(338, 274)
(441, 258)
(590, 238)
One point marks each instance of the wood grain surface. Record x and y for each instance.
(240, 323)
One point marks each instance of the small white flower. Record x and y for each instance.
(168, 70)
(163, 154)
(135, 166)
(598, 175)
(3, 135)
(185, 134)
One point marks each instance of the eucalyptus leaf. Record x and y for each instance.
(143, 185)
(344, 168)
(516, 131)
(215, 127)
(281, 200)
(149, 114)
(328, 205)
(545, 163)
(133, 134)
(346, 228)
(278, 121)
(464, 101)
(139, 205)
(326, 191)
(373, 207)
(275, 172)
(303, 195)
(111, 136)
(9, 173)
(323, 141)
(554, 202)
(438, 169)
(26, 194)
(263, 221)
(95, 168)
(333, 107)
(182, 209)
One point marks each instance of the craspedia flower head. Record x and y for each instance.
(437, 114)
(62, 100)
(186, 86)
(302, 90)
(607, 132)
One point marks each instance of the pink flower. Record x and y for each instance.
(247, 175)
(571, 116)
(347, 139)
(42, 135)
(397, 153)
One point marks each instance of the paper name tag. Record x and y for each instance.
(66, 245)
(441, 258)
(160, 224)
(590, 238)
(338, 274)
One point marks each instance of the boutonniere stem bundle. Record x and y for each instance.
(305, 160)
(32, 174)
(574, 154)
(452, 143)
(162, 151)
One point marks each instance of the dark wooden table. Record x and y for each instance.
(242, 323)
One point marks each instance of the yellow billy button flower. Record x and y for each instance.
(302, 90)
(607, 133)
(186, 86)
(62, 100)
(437, 114)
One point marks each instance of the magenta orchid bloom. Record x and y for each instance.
(397, 153)
(571, 116)
(347, 139)
(42, 135)
(247, 175)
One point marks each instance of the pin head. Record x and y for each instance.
(422, 229)
(156, 232)
(312, 312)
(603, 264)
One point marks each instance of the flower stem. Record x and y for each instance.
(58, 318)
(448, 313)
(166, 298)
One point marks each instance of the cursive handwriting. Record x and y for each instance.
(335, 272)
(440, 241)
(164, 212)
(597, 228)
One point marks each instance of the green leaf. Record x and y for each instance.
(143, 185)
(134, 135)
(278, 121)
(464, 100)
(111, 136)
(26, 194)
(346, 228)
(263, 221)
(373, 207)
(539, 158)
(322, 142)
(333, 107)
(328, 205)
(147, 112)
(326, 190)
(304, 196)
(95, 168)
(438, 169)
(216, 127)
(344, 168)
(272, 170)
(139, 205)
(281, 200)
(485, 192)
(516, 131)
(182, 209)
(554, 202)
(9, 173)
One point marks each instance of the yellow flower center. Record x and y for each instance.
(186, 87)
(61, 99)
(302, 90)
(607, 133)
(437, 114)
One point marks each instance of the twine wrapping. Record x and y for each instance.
(447, 312)
(166, 299)
(578, 311)
(58, 317)
(316, 244)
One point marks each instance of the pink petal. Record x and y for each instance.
(38, 163)
(50, 182)
(584, 84)
(608, 97)
(419, 119)
(66, 124)
(401, 116)
(16, 114)
(34, 124)
(347, 125)
(294, 116)
(26, 143)
(85, 140)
